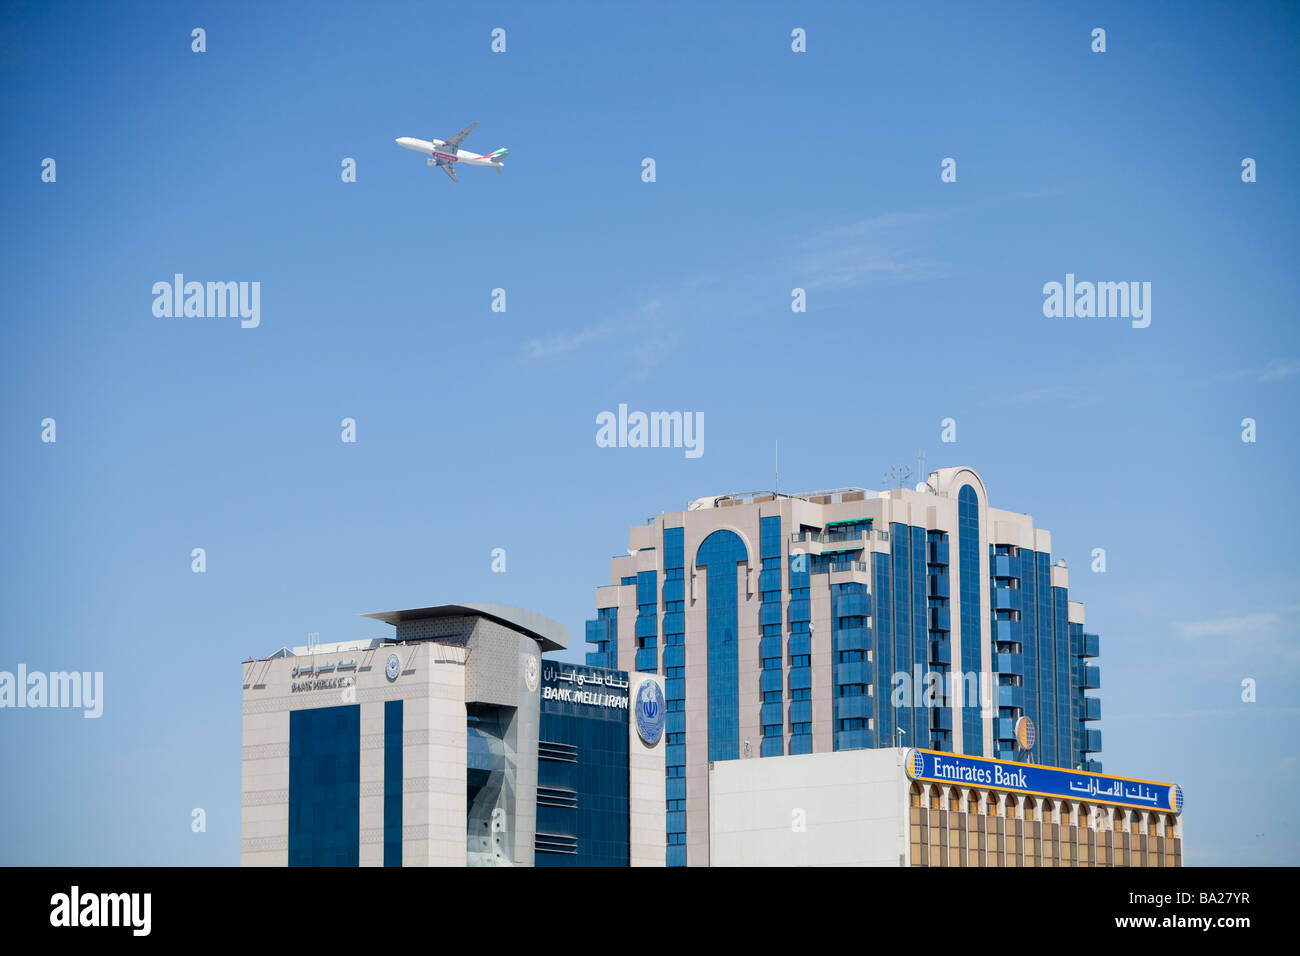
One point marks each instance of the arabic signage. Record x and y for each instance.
(307, 677)
(574, 684)
(934, 767)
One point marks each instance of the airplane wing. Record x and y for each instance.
(446, 168)
(459, 138)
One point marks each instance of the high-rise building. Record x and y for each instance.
(450, 742)
(842, 620)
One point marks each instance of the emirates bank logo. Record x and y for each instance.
(915, 764)
(650, 710)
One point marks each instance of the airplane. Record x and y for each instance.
(446, 153)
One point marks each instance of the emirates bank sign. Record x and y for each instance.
(586, 686)
(931, 766)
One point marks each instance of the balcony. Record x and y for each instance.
(854, 739)
(853, 672)
(1006, 599)
(647, 660)
(769, 646)
(852, 605)
(1092, 766)
(941, 653)
(848, 707)
(1092, 708)
(800, 712)
(1008, 663)
(938, 552)
(851, 639)
(939, 586)
(770, 713)
(940, 619)
(769, 580)
(1010, 695)
(1004, 728)
(1091, 741)
(1091, 646)
(800, 644)
(1090, 677)
(941, 719)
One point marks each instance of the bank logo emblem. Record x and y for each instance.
(1176, 798)
(650, 710)
(531, 672)
(1026, 736)
(915, 764)
(393, 667)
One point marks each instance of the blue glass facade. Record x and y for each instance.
(771, 659)
(647, 622)
(603, 633)
(1037, 663)
(798, 648)
(393, 783)
(324, 786)
(582, 781)
(939, 627)
(972, 597)
(719, 555)
(674, 628)
(898, 620)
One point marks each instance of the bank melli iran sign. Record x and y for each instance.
(930, 766)
(585, 687)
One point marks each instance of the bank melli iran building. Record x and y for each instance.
(452, 743)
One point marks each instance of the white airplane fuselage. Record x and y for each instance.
(436, 150)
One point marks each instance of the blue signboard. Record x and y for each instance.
(932, 766)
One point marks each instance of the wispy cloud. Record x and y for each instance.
(883, 248)
(1256, 638)
(561, 343)
(1275, 370)
(1071, 397)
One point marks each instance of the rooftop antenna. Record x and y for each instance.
(920, 465)
(778, 466)
(899, 475)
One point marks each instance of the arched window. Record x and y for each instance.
(719, 554)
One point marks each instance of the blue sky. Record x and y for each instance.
(476, 429)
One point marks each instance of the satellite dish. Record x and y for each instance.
(923, 488)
